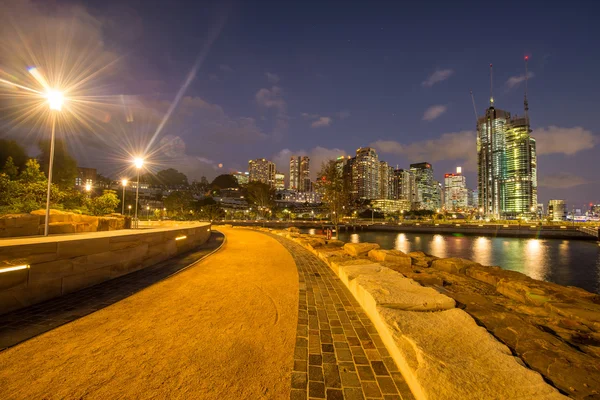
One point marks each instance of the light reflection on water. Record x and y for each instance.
(566, 262)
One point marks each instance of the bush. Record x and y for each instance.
(104, 204)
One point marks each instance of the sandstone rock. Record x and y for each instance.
(383, 287)
(293, 229)
(439, 362)
(359, 249)
(335, 242)
(417, 254)
(315, 242)
(453, 265)
(392, 256)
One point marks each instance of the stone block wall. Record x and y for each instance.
(17, 225)
(67, 264)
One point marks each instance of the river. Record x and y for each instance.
(566, 262)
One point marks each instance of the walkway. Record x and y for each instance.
(224, 329)
(339, 354)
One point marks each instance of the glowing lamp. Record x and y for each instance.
(138, 162)
(55, 99)
(124, 182)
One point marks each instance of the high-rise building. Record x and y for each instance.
(344, 167)
(456, 194)
(386, 181)
(294, 173)
(365, 174)
(557, 210)
(426, 190)
(507, 163)
(242, 177)
(262, 170)
(404, 185)
(279, 181)
(473, 199)
(438, 195)
(304, 184)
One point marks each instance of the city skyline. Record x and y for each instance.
(374, 89)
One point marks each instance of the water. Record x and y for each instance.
(566, 262)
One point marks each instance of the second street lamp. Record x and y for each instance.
(124, 183)
(139, 163)
(55, 102)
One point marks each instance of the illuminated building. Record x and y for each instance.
(242, 177)
(388, 206)
(386, 181)
(365, 174)
(344, 168)
(85, 176)
(557, 210)
(279, 181)
(404, 185)
(262, 170)
(456, 194)
(294, 172)
(426, 189)
(304, 184)
(438, 195)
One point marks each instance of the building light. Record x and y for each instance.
(14, 268)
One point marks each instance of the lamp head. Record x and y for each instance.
(138, 162)
(55, 99)
(124, 182)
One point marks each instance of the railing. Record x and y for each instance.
(589, 231)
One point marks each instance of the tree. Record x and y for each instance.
(200, 187)
(10, 148)
(224, 181)
(10, 169)
(64, 169)
(104, 204)
(335, 194)
(211, 212)
(32, 172)
(179, 203)
(260, 195)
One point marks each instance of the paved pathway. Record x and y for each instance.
(29, 322)
(339, 354)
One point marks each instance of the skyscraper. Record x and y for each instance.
(294, 173)
(304, 184)
(386, 181)
(456, 193)
(557, 210)
(365, 174)
(506, 162)
(262, 170)
(404, 185)
(426, 190)
(279, 181)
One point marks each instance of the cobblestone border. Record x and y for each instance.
(338, 353)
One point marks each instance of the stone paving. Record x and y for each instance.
(338, 354)
(28, 322)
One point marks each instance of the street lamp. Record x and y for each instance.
(123, 183)
(88, 188)
(55, 100)
(129, 208)
(139, 163)
(148, 213)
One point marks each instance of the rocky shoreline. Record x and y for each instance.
(547, 328)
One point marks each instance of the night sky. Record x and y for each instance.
(275, 78)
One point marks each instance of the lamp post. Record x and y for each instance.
(88, 188)
(129, 208)
(148, 213)
(139, 163)
(123, 183)
(55, 102)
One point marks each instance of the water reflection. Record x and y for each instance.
(482, 250)
(312, 231)
(534, 257)
(354, 238)
(438, 246)
(402, 243)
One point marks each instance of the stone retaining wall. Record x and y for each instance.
(17, 225)
(458, 329)
(63, 264)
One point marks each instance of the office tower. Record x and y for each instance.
(557, 210)
(304, 184)
(279, 181)
(438, 195)
(473, 199)
(507, 162)
(386, 181)
(242, 177)
(344, 168)
(365, 174)
(425, 193)
(404, 185)
(456, 193)
(294, 173)
(262, 170)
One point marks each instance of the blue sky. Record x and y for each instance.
(325, 77)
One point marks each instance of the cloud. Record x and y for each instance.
(318, 155)
(309, 116)
(438, 76)
(448, 147)
(557, 140)
(213, 77)
(561, 180)
(272, 78)
(321, 122)
(434, 112)
(271, 98)
(225, 68)
(343, 114)
(514, 81)
(173, 152)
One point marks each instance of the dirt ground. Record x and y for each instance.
(223, 329)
